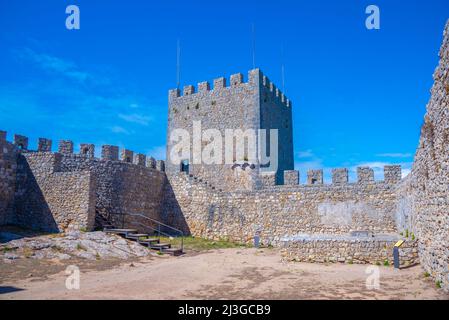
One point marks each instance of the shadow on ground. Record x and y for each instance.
(7, 289)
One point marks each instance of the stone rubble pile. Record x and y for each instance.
(85, 245)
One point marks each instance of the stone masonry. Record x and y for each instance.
(8, 167)
(345, 221)
(424, 205)
(255, 104)
(277, 211)
(61, 191)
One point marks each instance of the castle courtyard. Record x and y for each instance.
(234, 273)
(227, 184)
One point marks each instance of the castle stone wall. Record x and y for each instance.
(64, 191)
(349, 249)
(49, 200)
(122, 187)
(276, 113)
(254, 104)
(8, 166)
(280, 211)
(425, 204)
(222, 107)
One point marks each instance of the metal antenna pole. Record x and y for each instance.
(282, 68)
(254, 45)
(178, 64)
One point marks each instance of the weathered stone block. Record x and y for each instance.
(140, 159)
(188, 90)
(21, 142)
(203, 86)
(392, 173)
(109, 152)
(151, 163)
(268, 178)
(291, 177)
(65, 147)
(219, 83)
(365, 175)
(174, 93)
(44, 145)
(340, 176)
(315, 177)
(87, 150)
(160, 165)
(236, 79)
(127, 155)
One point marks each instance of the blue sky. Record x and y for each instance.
(358, 95)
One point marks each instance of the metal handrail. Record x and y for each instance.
(158, 230)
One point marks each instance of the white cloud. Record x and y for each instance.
(394, 155)
(305, 154)
(136, 118)
(374, 164)
(53, 64)
(309, 165)
(118, 129)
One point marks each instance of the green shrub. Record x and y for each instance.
(79, 246)
(438, 284)
(386, 263)
(201, 244)
(7, 249)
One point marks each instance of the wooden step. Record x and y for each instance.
(148, 241)
(137, 235)
(160, 246)
(121, 231)
(173, 251)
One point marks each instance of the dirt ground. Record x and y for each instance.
(217, 274)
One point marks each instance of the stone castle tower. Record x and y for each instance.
(255, 104)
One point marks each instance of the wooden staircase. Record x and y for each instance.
(146, 240)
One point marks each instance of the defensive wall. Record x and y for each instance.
(59, 191)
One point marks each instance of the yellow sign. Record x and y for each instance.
(399, 243)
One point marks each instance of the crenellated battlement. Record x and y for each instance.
(276, 93)
(237, 102)
(255, 78)
(86, 150)
(340, 176)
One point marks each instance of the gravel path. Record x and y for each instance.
(227, 274)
